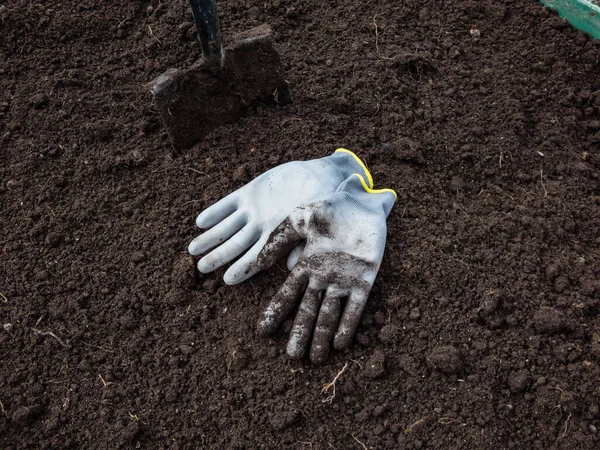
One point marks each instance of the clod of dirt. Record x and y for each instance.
(375, 366)
(553, 270)
(238, 360)
(408, 151)
(53, 239)
(456, 184)
(415, 314)
(101, 131)
(178, 296)
(40, 101)
(129, 320)
(188, 337)
(130, 432)
(590, 287)
(389, 334)
(281, 421)
(84, 366)
(138, 257)
(241, 173)
(445, 358)
(489, 310)
(186, 349)
(24, 415)
(210, 286)
(362, 339)
(550, 321)
(184, 272)
(561, 284)
(379, 318)
(519, 381)
(394, 301)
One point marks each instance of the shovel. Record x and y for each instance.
(223, 85)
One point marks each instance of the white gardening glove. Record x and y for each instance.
(345, 236)
(242, 222)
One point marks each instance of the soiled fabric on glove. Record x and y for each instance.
(345, 235)
(241, 223)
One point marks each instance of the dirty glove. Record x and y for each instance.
(242, 222)
(345, 236)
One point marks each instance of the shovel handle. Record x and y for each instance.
(206, 18)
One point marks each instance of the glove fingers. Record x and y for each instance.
(217, 234)
(283, 303)
(327, 323)
(246, 266)
(294, 256)
(350, 320)
(304, 323)
(280, 242)
(229, 250)
(217, 212)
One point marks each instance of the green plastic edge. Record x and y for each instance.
(582, 14)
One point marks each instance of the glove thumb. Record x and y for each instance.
(280, 242)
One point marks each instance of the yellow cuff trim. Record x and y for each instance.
(360, 162)
(373, 191)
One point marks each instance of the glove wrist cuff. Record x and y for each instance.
(365, 197)
(356, 165)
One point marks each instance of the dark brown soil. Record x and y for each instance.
(483, 328)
